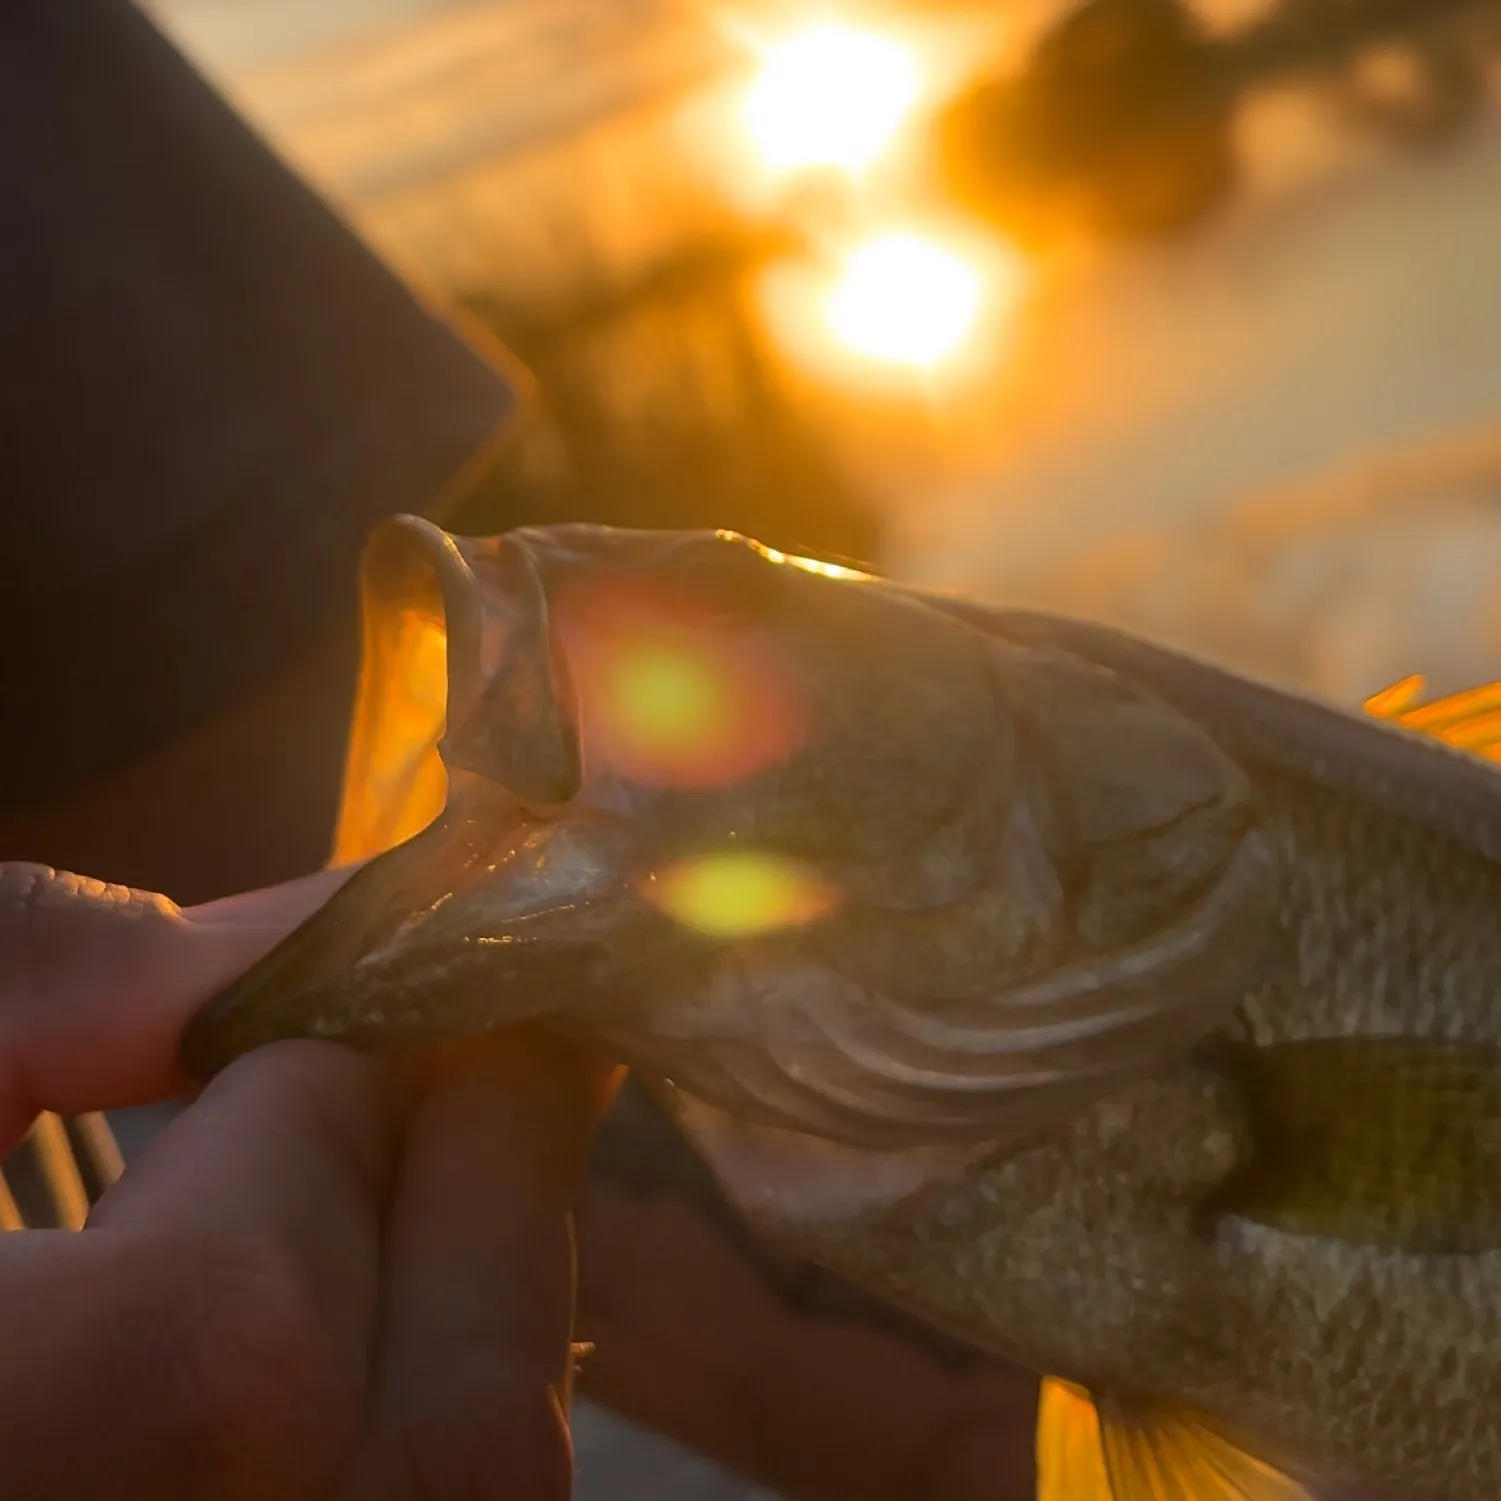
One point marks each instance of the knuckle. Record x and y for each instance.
(263, 1394)
(43, 913)
(29, 896)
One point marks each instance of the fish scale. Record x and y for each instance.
(1145, 1031)
(1393, 930)
(1072, 1261)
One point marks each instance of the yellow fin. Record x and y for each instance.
(1390, 702)
(394, 780)
(1070, 1457)
(1469, 720)
(10, 1215)
(1118, 1450)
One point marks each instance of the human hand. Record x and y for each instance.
(321, 1280)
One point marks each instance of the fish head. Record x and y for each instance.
(784, 838)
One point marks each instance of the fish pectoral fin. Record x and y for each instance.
(1469, 720)
(1121, 1450)
(1070, 1450)
(1390, 1141)
(1156, 1454)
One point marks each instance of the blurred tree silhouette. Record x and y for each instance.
(1121, 123)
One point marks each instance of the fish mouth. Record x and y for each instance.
(462, 801)
(490, 917)
(528, 898)
(497, 915)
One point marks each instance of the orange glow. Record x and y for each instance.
(394, 780)
(833, 96)
(905, 305)
(1070, 1457)
(668, 699)
(1469, 720)
(741, 893)
(810, 565)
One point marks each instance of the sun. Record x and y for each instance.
(904, 300)
(831, 96)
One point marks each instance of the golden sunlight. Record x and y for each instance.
(395, 782)
(740, 893)
(810, 565)
(832, 96)
(928, 308)
(904, 300)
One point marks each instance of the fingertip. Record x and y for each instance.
(87, 971)
(97, 982)
(53, 924)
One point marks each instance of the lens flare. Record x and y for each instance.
(665, 695)
(668, 699)
(904, 300)
(831, 96)
(741, 893)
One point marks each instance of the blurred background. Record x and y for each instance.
(1185, 316)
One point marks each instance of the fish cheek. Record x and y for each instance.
(935, 775)
(906, 721)
(1149, 811)
(1126, 890)
(1009, 928)
(895, 826)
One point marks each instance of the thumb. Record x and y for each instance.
(97, 982)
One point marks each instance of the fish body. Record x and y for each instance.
(1107, 1011)
(1098, 1255)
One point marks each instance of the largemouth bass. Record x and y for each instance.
(1103, 1010)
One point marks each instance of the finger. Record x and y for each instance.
(210, 1331)
(98, 981)
(472, 1371)
(692, 1339)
